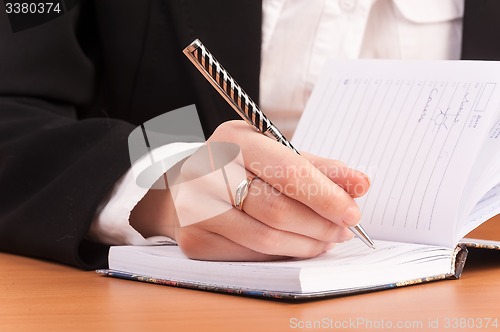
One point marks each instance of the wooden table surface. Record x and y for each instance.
(43, 296)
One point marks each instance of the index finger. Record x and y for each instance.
(294, 176)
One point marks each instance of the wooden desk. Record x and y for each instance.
(42, 296)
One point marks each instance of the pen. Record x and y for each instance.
(232, 92)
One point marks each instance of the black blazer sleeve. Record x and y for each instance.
(73, 88)
(55, 168)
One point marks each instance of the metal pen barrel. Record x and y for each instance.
(232, 92)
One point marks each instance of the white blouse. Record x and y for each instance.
(298, 37)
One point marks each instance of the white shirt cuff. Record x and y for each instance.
(111, 223)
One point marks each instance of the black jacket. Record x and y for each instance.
(72, 89)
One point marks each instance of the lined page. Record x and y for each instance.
(414, 127)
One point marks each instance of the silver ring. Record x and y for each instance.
(242, 192)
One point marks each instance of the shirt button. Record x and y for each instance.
(347, 5)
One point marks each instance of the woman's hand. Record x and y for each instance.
(297, 205)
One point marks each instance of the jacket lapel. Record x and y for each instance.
(481, 25)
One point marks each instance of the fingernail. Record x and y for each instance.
(351, 216)
(367, 179)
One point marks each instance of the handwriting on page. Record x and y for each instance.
(408, 135)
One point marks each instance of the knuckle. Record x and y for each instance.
(329, 232)
(277, 209)
(269, 239)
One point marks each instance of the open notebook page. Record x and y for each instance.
(487, 207)
(483, 199)
(415, 127)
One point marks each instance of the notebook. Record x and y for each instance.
(428, 135)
